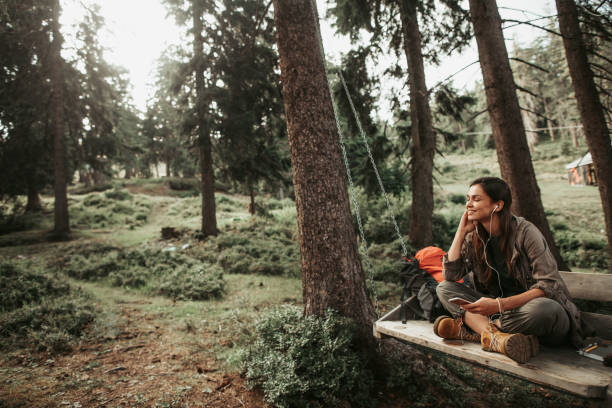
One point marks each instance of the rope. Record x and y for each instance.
(380, 183)
(363, 244)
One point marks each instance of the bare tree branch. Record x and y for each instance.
(518, 22)
(527, 91)
(452, 75)
(530, 64)
(476, 115)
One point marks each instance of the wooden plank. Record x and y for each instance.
(560, 368)
(591, 286)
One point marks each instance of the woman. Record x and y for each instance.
(518, 296)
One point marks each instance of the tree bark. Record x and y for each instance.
(252, 208)
(331, 271)
(422, 134)
(549, 123)
(33, 204)
(508, 129)
(591, 110)
(62, 225)
(209, 219)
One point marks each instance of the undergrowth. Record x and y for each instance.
(150, 269)
(40, 310)
(114, 207)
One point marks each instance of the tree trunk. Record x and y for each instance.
(209, 219)
(590, 108)
(331, 271)
(549, 122)
(574, 133)
(252, 203)
(62, 226)
(128, 173)
(33, 204)
(422, 134)
(508, 130)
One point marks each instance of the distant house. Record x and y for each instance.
(581, 171)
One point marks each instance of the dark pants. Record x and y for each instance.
(542, 316)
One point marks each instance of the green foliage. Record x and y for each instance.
(179, 184)
(259, 246)
(112, 208)
(308, 361)
(153, 270)
(582, 249)
(40, 310)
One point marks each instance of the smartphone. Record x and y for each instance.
(459, 301)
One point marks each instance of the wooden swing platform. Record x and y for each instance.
(561, 367)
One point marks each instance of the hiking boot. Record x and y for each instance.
(449, 328)
(517, 346)
(534, 343)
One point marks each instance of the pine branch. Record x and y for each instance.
(476, 115)
(452, 75)
(595, 53)
(602, 90)
(530, 64)
(601, 68)
(518, 22)
(534, 112)
(527, 91)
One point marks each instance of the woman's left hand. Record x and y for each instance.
(484, 306)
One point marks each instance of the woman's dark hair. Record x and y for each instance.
(498, 190)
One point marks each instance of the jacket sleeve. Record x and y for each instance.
(457, 269)
(542, 263)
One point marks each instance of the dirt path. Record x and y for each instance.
(147, 362)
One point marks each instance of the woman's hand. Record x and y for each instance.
(484, 306)
(465, 225)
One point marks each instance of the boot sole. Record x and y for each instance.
(518, 348)
(534, 344)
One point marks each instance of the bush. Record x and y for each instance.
(259, 246)
(92, 189)
(193, 283)
(113, 208)
(41, 311)
(308, 361)
(20, 286)
(179, 184)
(158, 272)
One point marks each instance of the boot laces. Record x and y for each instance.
(494, 345)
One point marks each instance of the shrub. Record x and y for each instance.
(20, 286)
(40, 310)
(193, 283)
(116, 207)
(118, 194)
(308, 361)
(159, 272)
(258, 246)
(92, 189)
(179, 184)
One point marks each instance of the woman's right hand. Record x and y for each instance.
(465, 225)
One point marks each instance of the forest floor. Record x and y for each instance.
(148, 361)
(153, 351)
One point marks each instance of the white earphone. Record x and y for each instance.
(485, 250)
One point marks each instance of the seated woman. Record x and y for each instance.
(518, 296)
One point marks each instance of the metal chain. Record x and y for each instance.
(380, 183)
(364, 244)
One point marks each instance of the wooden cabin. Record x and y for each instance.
(581, 172)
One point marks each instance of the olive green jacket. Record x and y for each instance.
(532, 265)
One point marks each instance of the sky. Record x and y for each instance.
(137, 31)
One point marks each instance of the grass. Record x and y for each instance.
(260, 255)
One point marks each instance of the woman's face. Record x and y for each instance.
(479, 205)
